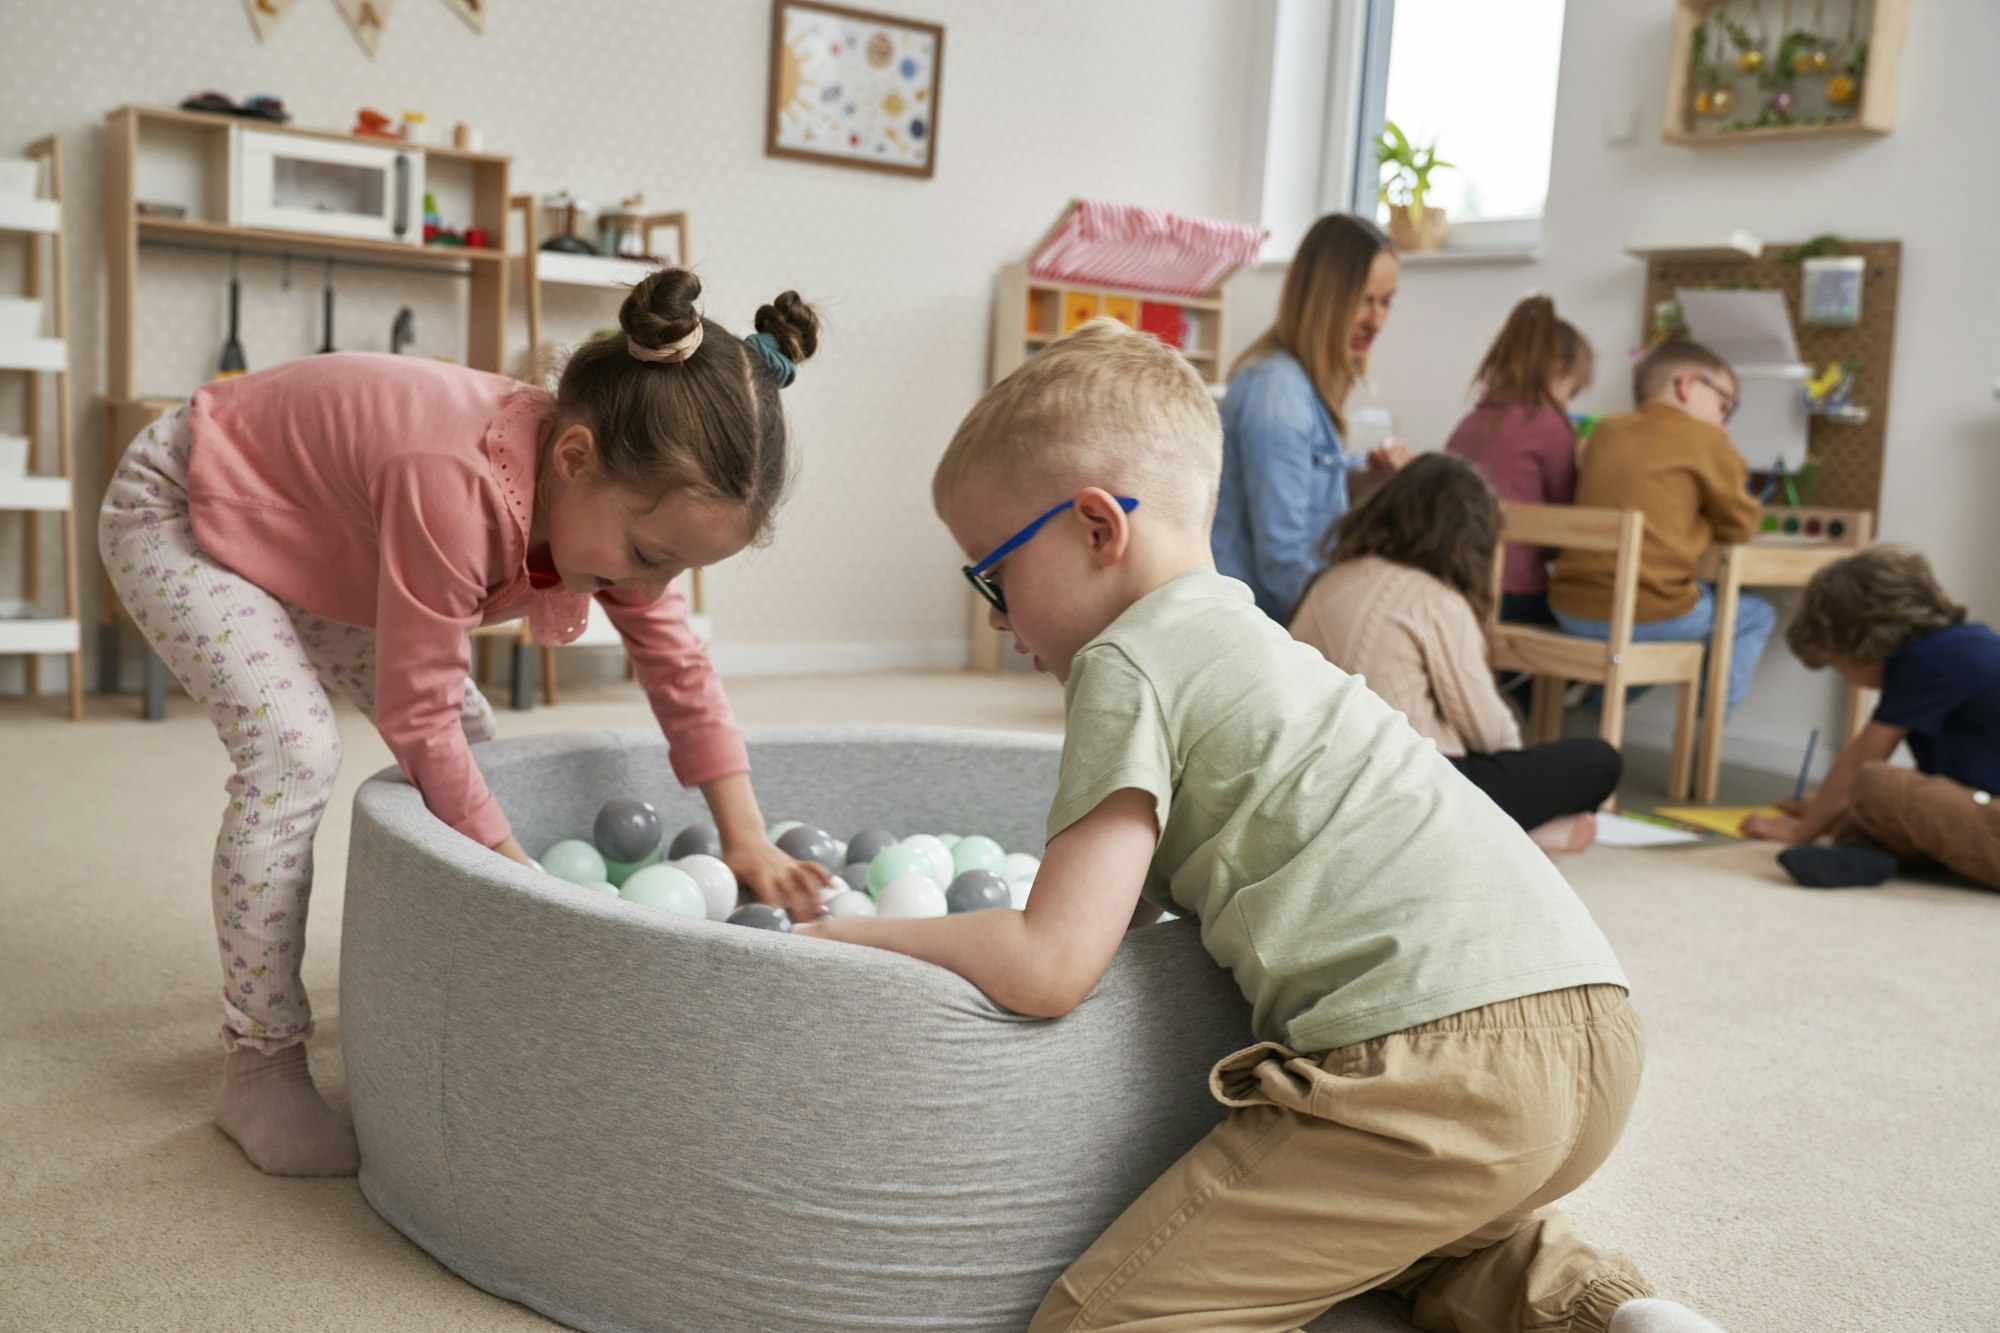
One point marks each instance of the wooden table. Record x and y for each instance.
(1777, 558)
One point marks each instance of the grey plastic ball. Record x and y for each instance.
(806, 843)
(856, 875)
(696, 839)
(865, 845)
(627, 830)
(761, 916)
(977, 891)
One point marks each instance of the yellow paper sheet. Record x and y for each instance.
(1722, 818)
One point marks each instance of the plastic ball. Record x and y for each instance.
(604, 887)
(1019, 866)
(575, 860)
(668, 889)
(806, 843)
(866, 845)
(840, 848)
(695, 840)
(627, 830)
(850, 903)
(784, 826)
(761, 916)
(1750, 61)
(911, 896)
(854, 875)
(977, 853)
(950, 840)
(716, 881)
(940, 855)
(1019, 891)
(897, 861)
(977, 891)
(620, 871)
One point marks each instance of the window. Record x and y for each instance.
(1478, 79)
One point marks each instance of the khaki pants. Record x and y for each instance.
(1918, 817)
(1421, 1162)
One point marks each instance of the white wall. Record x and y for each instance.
(1929, 185)
(1042, 100)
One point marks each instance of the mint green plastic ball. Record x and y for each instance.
(977, 853)
(575, 860)
(620, 871)
(897, 861)
(604, 887)
(666, 888)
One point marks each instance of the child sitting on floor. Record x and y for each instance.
(1880, 619)
(1403, 603)
(1673, 460)
(1520, 437)
(1444, 1043)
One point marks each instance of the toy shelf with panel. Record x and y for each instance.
(31, 218)
(1030, 313)
(1739, 71)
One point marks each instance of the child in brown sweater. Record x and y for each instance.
(1673, 460)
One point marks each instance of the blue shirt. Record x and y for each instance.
(1284, 480)
(1944, 689)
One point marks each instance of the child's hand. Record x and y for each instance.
(1777, 828)
(1389, 456)
(511, 848)
(1791, 805)
(776, 878)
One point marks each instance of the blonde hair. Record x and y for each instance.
(1103, 407)
(1860, 610)
(1657, 368)
(1324, 285)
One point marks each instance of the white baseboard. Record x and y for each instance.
(812, 659)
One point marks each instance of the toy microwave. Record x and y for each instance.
(293, 183)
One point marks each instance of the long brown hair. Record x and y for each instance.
(1533, 347)
(1438, 515)
(1323, 288)
(710, 423)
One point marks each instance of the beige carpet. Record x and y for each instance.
(1814, 1148)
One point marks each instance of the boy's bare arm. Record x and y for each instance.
(1042, 961)
(1876, 741)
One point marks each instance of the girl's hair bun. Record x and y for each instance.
(660, 311)
(792, 323)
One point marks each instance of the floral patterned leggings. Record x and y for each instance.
(260, 666)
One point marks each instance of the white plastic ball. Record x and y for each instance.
(716, 881)
(911, 896)
(1018, 890)
(850, 902)
(840, 846)
(1017, 866)
(940, 855)
(667, 889)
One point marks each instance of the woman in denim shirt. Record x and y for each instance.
(1284, 473)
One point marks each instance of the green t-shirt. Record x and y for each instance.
(1353, 882)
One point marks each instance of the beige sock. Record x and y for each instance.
(271, 1108)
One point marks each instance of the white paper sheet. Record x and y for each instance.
(1618, 831)
(1743, 328)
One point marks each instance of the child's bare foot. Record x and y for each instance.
(271, 1108)
(1571, 833)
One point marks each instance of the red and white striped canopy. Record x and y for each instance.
(1151, 249)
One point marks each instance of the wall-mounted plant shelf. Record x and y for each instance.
(1736, 74)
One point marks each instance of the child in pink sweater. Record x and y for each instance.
(346, 520)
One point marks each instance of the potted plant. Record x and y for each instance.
(1413, 224)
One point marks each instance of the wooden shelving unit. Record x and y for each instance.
(29, 625)
(1030, 313)
(1880, 23)
(160, 155)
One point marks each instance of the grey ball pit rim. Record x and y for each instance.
(628, 1120)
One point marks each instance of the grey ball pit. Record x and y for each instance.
(629, 1120)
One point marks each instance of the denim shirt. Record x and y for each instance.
(1284, 479)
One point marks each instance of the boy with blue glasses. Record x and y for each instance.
(1443, 1041)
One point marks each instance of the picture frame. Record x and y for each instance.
(854, 88)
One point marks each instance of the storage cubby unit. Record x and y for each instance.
(1030, 313)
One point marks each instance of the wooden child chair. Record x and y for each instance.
(1554, 658)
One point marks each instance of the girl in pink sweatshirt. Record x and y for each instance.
(344, 521)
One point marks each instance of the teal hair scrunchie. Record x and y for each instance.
(766, 348)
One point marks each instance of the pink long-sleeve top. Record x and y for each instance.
(397, 493)
(1528, 455)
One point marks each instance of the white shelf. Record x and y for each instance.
(1731, 244)
(25, 628)
(29, 214)
(590, 270)
(32, 354)
(42, 493)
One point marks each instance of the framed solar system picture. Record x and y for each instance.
(854, 89)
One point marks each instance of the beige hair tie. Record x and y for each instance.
(673, 351)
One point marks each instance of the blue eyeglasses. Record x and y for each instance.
(976, 574)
